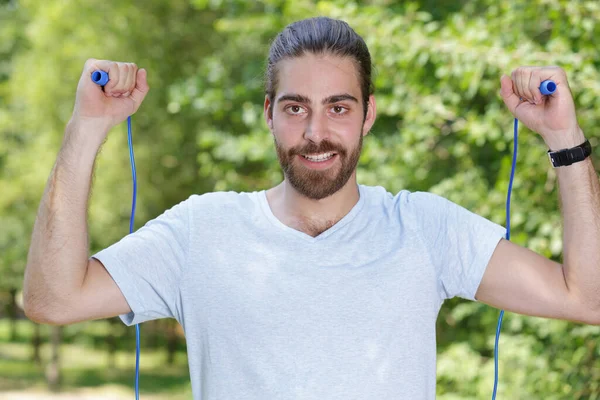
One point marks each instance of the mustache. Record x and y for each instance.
(312, 148)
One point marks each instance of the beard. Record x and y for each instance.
(318, 184)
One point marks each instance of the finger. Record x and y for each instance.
(556, 74)
(129, 82)
(111, 68)
(141, 88)
(131, 79)
(518, 84)
(510, 98)
(526, 81)
(534, 87)
(88, 67)
(515, 88)
(124, 72)
(522, 81)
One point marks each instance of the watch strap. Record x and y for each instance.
(566, 157)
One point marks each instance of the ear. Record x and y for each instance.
(267, 110)
(371, 115)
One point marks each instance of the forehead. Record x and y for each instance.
(318, 76)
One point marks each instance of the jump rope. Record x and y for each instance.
(547, 88)
(100, 78)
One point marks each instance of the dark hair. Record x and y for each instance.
(320, 35)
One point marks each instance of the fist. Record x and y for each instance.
(121, 96)
(552, 116)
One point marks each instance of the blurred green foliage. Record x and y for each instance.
(86, 367)
(441, 127)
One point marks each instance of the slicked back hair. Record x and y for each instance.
(319, 36)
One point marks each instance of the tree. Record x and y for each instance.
(441, 127)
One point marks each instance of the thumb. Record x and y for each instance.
(508, 95)
(141, 88)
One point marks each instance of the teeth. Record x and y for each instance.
(319, 157)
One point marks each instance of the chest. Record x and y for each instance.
(330, 322)
(270, 290)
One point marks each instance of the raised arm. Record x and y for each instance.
(61, 284)
(519, 280)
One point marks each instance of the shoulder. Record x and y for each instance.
(428, 207)
(404, 199)
(218, 203)
(422, 200)
(221, 198)
(416, 209)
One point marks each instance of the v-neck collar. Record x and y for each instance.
(264, 204)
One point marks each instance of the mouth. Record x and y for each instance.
(318, 161)
(322, 157)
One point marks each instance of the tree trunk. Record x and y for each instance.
(172, 340)
(36, 342)
(12, 314)
(111, 343)
(152, 333)
(53, 370)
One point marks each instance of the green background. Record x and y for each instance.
(441, 127)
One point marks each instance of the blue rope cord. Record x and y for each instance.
(510, 184)
(137, 326)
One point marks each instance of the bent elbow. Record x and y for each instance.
(32, 312)
(35, 315)
(45, 314)
(45, 318)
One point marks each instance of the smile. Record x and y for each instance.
(318, 157)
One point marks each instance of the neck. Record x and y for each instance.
(308, 215)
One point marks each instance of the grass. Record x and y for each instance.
(84, 365)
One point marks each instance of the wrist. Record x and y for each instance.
(565, 140)
(91, 129)
(85, 136)
(94, 125)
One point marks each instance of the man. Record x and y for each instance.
(317, 288)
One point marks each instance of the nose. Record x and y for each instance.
(316, 127)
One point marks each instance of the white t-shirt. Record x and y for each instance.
(272, 313)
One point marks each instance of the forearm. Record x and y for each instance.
(59, 249)
(580, 206)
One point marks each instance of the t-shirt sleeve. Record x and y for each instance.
(147, 265)
(460, 243)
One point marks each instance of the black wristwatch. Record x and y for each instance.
(564, 157)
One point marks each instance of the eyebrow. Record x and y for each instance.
(327, 100)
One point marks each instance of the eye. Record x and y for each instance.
(339, 110)
(294, 109)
